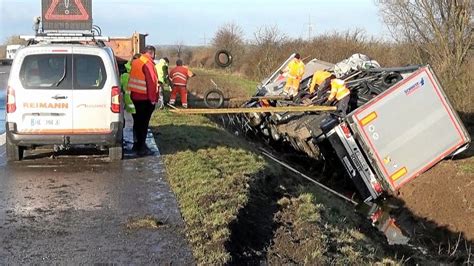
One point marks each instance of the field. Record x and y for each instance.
(241, 208)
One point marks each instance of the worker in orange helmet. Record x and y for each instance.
(294, 71)
(179, 76)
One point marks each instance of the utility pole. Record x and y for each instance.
(204, 39)
(310, 28)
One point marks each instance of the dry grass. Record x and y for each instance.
(146, 222)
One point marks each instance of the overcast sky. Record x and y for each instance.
(195, 21)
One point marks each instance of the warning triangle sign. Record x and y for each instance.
(66, 10)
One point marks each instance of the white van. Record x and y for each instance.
(64, 94)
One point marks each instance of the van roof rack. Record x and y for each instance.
(64, 37)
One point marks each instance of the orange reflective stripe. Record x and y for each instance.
(137, 81)
(179, 75)
(85, 131)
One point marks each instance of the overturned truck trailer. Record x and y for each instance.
(400, 123)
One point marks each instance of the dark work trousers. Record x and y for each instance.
(343, 104)
(141, 119)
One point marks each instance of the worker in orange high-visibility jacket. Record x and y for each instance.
(143, 85)
(341, 93)
(179, 77)
(294, 71)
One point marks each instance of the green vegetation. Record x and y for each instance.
(468, 166)
(208, 170)
(230, 84)
(215, 175)
(230, 198)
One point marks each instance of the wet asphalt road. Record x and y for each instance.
(75, 209)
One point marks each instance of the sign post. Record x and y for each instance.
(67, 15)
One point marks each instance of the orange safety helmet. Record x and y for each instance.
(320, 76)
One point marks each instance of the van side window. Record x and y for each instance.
(46, 71)
(89, 72)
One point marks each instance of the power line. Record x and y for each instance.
(310, 28)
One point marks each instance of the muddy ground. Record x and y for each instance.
(444, 195)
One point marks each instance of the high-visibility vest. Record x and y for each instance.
(129, 106)
(137, 81)
(318, 78)
(180, 75)
(295, 68)
(338, 90)
(162, 71)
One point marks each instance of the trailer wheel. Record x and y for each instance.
(223, 58)
(214, 98)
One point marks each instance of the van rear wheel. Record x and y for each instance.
(116, 153)
(14, 152)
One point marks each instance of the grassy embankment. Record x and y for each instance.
(240, 208)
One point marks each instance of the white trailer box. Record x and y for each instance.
(408, 128)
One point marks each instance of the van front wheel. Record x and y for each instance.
(116, 153)
(14, 152)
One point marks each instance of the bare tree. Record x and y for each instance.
(440, 30)
(179, 49)
(269, 36)
(268, 43)
(229, 37)
(14, 39)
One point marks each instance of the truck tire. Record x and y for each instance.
(14, 152)
(212, 102)
(228, 56)
(116, 153)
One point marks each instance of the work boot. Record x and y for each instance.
(185, 105)
(135, 147)
(145, 151)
